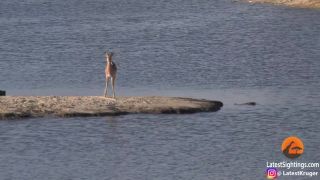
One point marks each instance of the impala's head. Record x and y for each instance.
(108, 56)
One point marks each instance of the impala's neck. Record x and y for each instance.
(109, 60)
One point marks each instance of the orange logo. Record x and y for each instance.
(292, 147)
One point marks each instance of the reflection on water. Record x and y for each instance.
(222, 50)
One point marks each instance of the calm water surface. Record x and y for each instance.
(233, 52)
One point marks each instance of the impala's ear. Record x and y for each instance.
(111, 54)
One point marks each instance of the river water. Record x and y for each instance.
(214, 49)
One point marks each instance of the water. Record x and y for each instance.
(224, 50)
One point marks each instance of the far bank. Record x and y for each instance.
(292, 3)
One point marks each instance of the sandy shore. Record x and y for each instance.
(69, 106)
(293, 3)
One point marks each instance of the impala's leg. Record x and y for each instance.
(113, 80)
(106, 88)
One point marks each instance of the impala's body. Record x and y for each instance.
(111, 73)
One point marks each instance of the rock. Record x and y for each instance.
(69, 106)
(2, 93)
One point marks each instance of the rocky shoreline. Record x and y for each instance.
(292, 3)
(12, 107)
